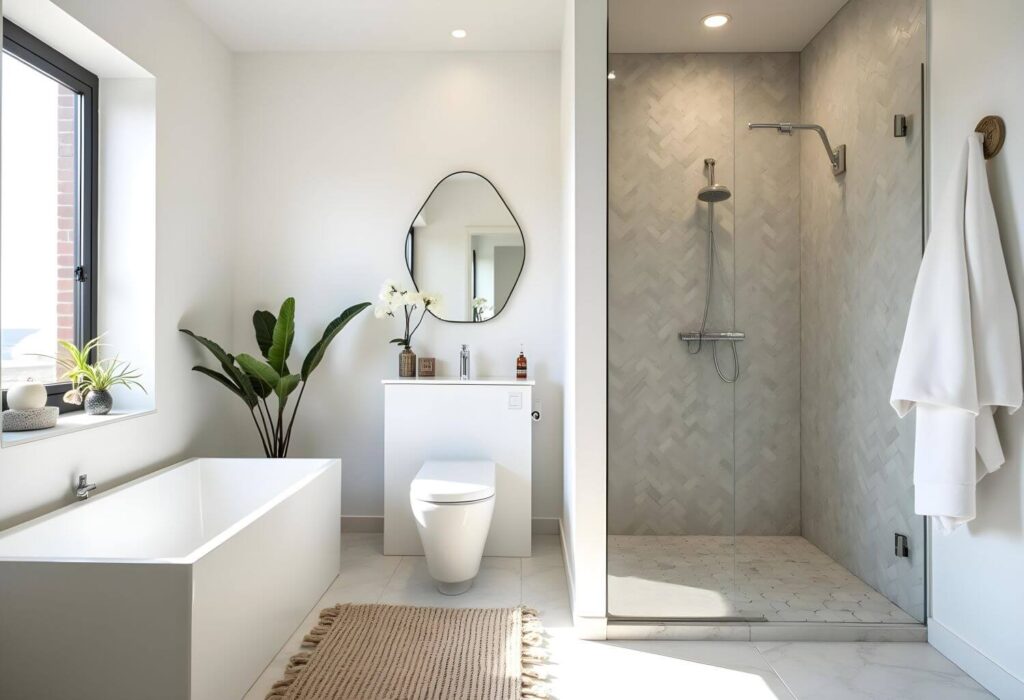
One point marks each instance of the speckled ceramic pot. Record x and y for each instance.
(98, 403)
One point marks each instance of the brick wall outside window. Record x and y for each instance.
(66, 214)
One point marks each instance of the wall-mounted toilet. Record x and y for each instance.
(452, 503)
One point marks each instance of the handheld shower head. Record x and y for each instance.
(713, 193)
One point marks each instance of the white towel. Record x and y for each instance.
(961, 355)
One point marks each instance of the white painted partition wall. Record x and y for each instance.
(584, 182)
(976, 617)
(445, 419)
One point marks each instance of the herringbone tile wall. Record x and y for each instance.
(689, 454)
(861, 238)
(818, 270)
(768, 297)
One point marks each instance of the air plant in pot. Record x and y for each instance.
(395, 300)
(255, 380)
(91, 382)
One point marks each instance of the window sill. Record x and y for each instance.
(71, 423)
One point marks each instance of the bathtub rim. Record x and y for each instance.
(199, 552)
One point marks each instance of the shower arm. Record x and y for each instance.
(837, 156)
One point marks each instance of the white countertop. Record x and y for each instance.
(455, 380)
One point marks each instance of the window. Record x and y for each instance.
(48, 203)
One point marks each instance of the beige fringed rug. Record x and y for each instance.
(392, 652)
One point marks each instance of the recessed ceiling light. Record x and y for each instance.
(719, 19)
(459, 33)
(611, 75)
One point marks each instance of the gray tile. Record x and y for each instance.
(498, 585)
(860, 235)
(887, 671)
(662, 670)
(750, 667)
(777, 579)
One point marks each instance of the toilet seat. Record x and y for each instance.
(453, 482)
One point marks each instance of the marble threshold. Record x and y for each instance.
(680, 630)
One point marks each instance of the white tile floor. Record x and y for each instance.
(642, 669)
(777, 579)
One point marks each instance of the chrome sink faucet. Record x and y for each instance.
(84, 487)
(464, 363)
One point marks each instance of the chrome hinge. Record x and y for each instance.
(80, 274)
(902, 545)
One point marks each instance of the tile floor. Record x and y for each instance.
(778, 579)
(642, 669)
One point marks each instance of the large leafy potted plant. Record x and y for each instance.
(254, 380)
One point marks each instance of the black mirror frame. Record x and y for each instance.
(410, 248)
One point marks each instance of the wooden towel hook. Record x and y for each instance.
(994, 130)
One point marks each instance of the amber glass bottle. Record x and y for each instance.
(521, 365)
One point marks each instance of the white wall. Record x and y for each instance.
(193, 75)
(334, 154)
(584, 194)
(127, 244)
(976, 573)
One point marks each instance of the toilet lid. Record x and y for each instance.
(453, 482)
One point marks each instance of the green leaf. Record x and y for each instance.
(220, 378)
(259, 388)
(317, 352)
(267, 374)
(286, 386)
(397, 341)
(249, 390)
(263, 322)
(227, 361)
(284, 334)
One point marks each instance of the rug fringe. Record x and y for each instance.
(327, 619)
(532, 670)
(297, 662)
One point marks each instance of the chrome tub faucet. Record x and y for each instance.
(84, 488)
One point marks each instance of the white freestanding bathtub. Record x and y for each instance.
(183, 584)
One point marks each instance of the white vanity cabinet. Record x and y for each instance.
(450, 419)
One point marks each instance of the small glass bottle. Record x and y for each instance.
(521, 364)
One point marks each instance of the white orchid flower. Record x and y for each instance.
(388, 291)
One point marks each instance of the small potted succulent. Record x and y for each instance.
(394, 299)
(91, 382)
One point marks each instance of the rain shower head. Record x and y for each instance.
(837, 155)
(713, 193)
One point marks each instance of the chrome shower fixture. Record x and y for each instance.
(837, 155)
(694, 340)
(713, 192)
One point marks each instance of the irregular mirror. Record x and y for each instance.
(466, 246)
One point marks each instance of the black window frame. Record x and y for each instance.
(19, 44)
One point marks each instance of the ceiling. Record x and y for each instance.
(674, 26)
(383, 25)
